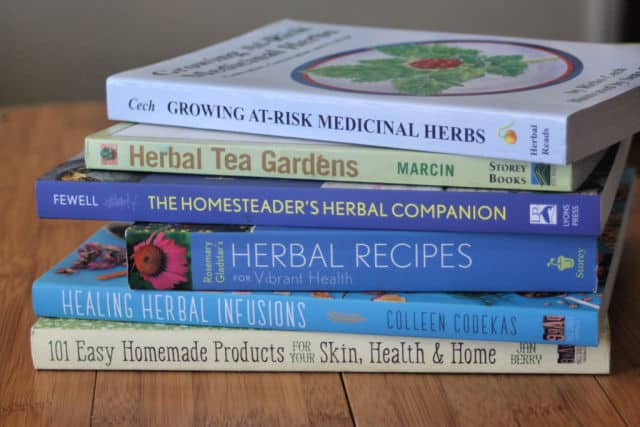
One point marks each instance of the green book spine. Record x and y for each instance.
(148, 148)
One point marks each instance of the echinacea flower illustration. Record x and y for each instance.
(160, 261)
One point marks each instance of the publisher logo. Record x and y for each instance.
(108, 154)
(543, 214)
(572, 354)
(561, 262)
(541, 174)
(508, 134)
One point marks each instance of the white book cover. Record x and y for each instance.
(522, 99)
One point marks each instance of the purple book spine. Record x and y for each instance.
(162, 198)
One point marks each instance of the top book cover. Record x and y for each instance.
(542, 101)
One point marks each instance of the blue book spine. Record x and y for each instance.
(87, 284)
(299, 259)
(197, 199)
(391, 314)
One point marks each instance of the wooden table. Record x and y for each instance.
(36, 138)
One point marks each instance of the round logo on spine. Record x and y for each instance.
(441, 68)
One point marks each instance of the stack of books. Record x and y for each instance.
(314, 197)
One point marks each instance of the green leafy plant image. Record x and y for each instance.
(418, 69)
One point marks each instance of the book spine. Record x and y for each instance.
(329, 205)
(211, 349)
(299, 259)
(383, 123)
(326, 162)
(321, 311)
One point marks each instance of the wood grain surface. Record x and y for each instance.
(36, 138)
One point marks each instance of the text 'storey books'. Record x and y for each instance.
(74, 192)
(166, 149)
(91, 283)
(95, 344)
(223, 257)
(541, 101)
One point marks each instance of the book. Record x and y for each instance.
(541, 101)
(101, 345)
(74, 192)
(222, 257)
(152, 148)
(91, 284)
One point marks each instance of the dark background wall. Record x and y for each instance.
(64, 49)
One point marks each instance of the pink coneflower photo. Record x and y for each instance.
(160, 261)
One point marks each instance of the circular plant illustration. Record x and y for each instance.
(441, 68)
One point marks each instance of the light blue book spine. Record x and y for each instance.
(68, 290)
(361, 314)
(302, 259)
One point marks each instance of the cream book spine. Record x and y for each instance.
(70, 344)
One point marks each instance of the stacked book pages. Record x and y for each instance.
(316, 197)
